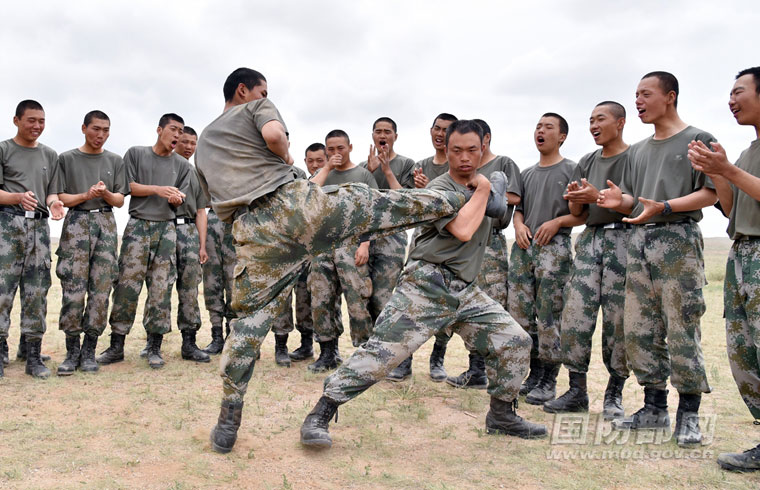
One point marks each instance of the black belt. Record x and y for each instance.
(184, 221)
(666, 223)
(25, 214)
(617, 225)
(104, 209)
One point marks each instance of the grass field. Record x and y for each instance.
(132, 427)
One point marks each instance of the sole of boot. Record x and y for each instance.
(217, 448)
(317, 443)
(93, 370)
(322, 369)
(107, 362)
(566, 410)
(64, 373)
(522, 435)
(398, 379)
(282, 363)
(620, 426)
(156, 365)
(438, 379)
(191, 358)
(474, 386)
(536, 401)
(728, 466)
(299, 358)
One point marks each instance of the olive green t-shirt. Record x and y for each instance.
(514, 182)
(745, 213)
(542, 191)
(25, 169)
(78, 171)
(351, 176)
(145, 167)
(430, 169)
(401, 166)
(660, 170)
(195, 198)
(597, 169)
(436, 245)
(234, 162)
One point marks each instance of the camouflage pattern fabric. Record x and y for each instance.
(284, 324)
(430, 298)
(290, 226)
(597, 280)
(386, 260)
(537, 277)
(304, 323)
(24, 263)
(494, 274)
(742, 306)
(217, 271)
(663, 306)
(87, 267)
(148, 253)
(189, 276)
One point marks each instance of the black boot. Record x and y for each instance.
(573, 400)
(281, 357)
(338, 359)
(546, 389)
(21, 351)
(653, 415)
(2, 369)
(749, 460)
(613, 398)
(73, 351)
(190, 350)
(474, 377)
(144, 351)
(536, 372)
(115, 352)
(687, 420)
(34, 364)
(155, 360)
(306, 350)
(224, 433)
(217, 342)
(437, 372)
(402, 371)
(4, 359)
(502, 418)
(314, 430)
(326, 360)
(87, 362)
(227, 329)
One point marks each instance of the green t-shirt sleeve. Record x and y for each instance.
(2, 163)
(698, 178)
(264, 113)
(441, 223)
(183, 178)
(515, 182)
(120, 182)
(407, 175)
(58, 177)
(54, 162)
(201, 201)
(130, 162)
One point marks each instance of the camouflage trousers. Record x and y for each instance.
(87, 267)
(386, 260)
(537, 278)
(741, 296)
(663, 306)
(597, 280)
(189, 276)
(288, 227)
(24, 265)
(331, 273)
(217, 271)
(148, 253)
(429, 298)
(304, 322)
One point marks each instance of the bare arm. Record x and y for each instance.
(464, 226)
(547, 230)
(696, 200)
(276, 139)
(613, 198)
(115, 199)
(25, 199)
(513, 199)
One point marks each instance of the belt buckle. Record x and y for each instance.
(609, 226)
(94, 210)
(30, 214)
(180, 221)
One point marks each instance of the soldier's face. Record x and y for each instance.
(547, 136)
(338, 146)
(745, 101)
(169, 134)
(315, 160)
(384, 136)
(464, 152)
(438, 133)
(97, 132)
(651, 100)
(30, 125)
(604, 126)
(186, 145)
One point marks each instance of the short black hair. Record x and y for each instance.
(95, 115)
(445, 116)
(668, 82)
(464, 126)
(22, 107)
(484, 125)
(317, 147)
(755, 72)
(246, 76)
(385, 119)
(337, 133)
(564, 128)
(190, 131)
(616, 108)
(166, 118)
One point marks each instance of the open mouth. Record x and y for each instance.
(596, 134)
(540, 139)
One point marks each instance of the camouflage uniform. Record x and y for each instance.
(217, 271)
(386, 260)
(493, 275)
(430, 298)
(304, 321)
(189, 276)
(87, 266)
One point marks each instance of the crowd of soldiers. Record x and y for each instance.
(342, 231)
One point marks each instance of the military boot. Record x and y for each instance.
(281, 357)
(314, 431)
(2, 370)
(573, 400)
(115, 352)
(749, 460)
(326, 360)
(475, 376)
(546, 389)
(437, 372)
(402, 371)
(338, 359)
(653, 415)
(87, 362)
(4, 359)
(613, 398)
(144, 351)
(21, 351)
(224, 433)
(687, 420)
(190, 351)
(217, 341)
(34, 364)
(535, 375)
(502, 418)
(227, 329)
(306, 349)
(155, 360)
(73, 351)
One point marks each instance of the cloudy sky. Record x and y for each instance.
(341, 64)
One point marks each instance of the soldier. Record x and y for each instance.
(438, 291)
(541, 256)
(158, 181)
(665, 267)
(598, 276)
(280, 223)
(90, 181)
(738, 188)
